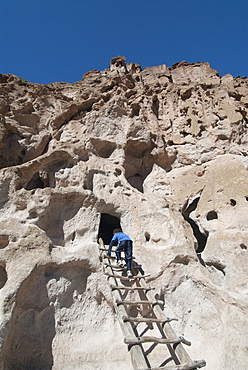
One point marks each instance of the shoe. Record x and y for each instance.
(120, 263)
(129, 274)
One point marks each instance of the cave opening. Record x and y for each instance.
(155, 106)
(107, 224)
(39, 180)
(3, 276)
(35, 183)
(198, 234)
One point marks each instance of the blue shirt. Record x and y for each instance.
(118, 237)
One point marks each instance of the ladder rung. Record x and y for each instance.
(148, 320)
(114, 257)
(139, 340)
(135, 277)
(119, 302)
(187, 366)
(116, 266)
(113, 287)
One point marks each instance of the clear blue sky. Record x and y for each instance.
(60, 40)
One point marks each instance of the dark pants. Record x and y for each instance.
(127, 247)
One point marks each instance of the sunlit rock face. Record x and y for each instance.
(161, 152)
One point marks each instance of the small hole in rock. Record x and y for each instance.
(246, 198)
(103, 148)
(233, 202)
(4, 241)
(243, 246)
(147, 236)
(33, 214)
(212, 215)
(135, 110)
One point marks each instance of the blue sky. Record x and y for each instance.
(58, 40)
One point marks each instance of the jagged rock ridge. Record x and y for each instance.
(161, 152)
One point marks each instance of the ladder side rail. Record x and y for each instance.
(188, 366)
(179, 350)
(113, 287)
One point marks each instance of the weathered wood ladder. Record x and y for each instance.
(140, 313)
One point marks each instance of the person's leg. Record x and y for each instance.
(128, 253)
(118, 251)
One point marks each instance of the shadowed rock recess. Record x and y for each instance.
(159, 152)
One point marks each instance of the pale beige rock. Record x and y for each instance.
(163, 151)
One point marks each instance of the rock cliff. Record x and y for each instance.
(161, 152)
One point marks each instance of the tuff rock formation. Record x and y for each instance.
(161, 152)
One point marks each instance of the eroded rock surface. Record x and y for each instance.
(161, 152)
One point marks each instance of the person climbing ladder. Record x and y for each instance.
(124, 243)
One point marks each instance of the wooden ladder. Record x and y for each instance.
(142, 320)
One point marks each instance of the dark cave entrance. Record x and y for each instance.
(107, 224)
(39, 180)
